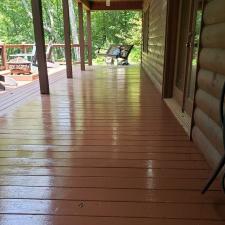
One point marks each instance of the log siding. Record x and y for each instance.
(153, 60)
(206, 132)
(210, 81)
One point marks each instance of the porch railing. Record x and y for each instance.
(24, 47)
(57, 50)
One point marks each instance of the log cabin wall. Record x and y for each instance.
(206, 131)
(153, 58)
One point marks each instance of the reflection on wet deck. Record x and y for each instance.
(102, 149)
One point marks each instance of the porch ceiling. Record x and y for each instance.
(114, 4)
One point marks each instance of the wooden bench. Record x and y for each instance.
(118, 52)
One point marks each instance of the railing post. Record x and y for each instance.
(67, 38)
(40, 44)
(89, 37)
(81, 35)
(24, 49)
(4, 55)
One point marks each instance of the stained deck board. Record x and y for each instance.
(21, 94)
(71, 220)
(100, 172)
(104, 163)
(104, 194)
(102, 149)
(112, 209)
(97, 148)
(102, 155)
(105, 182)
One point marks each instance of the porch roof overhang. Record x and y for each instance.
(114, 4)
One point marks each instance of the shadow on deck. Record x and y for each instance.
(102, 149)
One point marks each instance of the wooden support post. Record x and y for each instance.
(81, 35)
(24, 49)
(89, 37)
(40, 44)
(86, 4)
(3, 56)
(67, 38)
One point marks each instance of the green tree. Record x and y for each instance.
(117, 27)
(108, 27)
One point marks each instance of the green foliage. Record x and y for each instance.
(98, 61)
(15, 25)
(115, 27)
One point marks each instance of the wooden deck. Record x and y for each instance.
(103, 149)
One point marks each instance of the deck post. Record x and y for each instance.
(67, 38)
(89, 37)
(40, 45)
(3, 55)
(81, 35)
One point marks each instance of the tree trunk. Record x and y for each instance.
(73, 26)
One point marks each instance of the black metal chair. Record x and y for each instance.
(117, 52)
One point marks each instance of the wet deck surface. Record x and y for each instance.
(103, 149)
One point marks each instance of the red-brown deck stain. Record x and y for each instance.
(102, 149)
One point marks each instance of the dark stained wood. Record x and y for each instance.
(40, 44)
(86, 4)
(89, 37)
(3, 56)
(145, 29)
(102, 149)
(170, 48)
(67, 37)
(81, 36)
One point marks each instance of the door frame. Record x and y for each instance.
(180, 94)
(171, 49)
(204, 2)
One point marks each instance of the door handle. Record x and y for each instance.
(188, 44)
